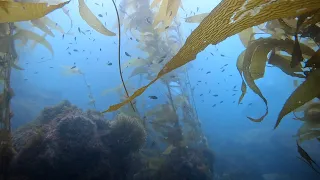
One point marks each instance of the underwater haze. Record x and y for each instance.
(200, 105)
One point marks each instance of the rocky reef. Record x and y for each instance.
(64, 142)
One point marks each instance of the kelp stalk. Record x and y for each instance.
(5, 124)
(172, 104)
(119, 53)
(89, 89)
(192, 95)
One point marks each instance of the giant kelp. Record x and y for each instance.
(237, 16)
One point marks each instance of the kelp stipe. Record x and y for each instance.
(119, 53)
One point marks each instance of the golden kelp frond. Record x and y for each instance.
(155, 3)
(256, 54)
(53, 25)
(134, 62)
(115, 89)
(312, 134)
(42, 26)
(308, 130)
(304, 107)
(160, 16)
(307, 91)
(246, 36)
(283, 63)
(34, 43)
(228, 18)
(252, 61)
(17, 11)
(139, 71)
(92, 20)
(172, 10)
(196, 18)
(240, 70)
(22, 34)
(314, 61)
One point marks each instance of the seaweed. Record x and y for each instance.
(215, 28)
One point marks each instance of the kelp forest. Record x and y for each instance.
(167, 141)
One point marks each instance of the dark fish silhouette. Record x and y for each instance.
(153, 97)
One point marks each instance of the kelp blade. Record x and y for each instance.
(228, 18)
(11, 11)
(92, 20)
(307, 91)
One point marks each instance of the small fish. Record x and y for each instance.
(109, 63)
(100, 15)
(153, 97)
(35, 73)
(67, 48)
(79, 30)
(214, 105)
(234, 87)
(166, 27)
(211, 53)
(223, 70)
(208, 72)
(26, 79)
(233, 94)
(215, 95)
(127, 54)
(75, 38)
(222, 55)
(51, 67)
(69, 53)
(161, 61)
(197, 9)
(148, 20)
(100, 49)
(210, 91)
(106, 14)
(73, 67)
(199, 81)
(96, 4)
(201, 94)
(75, 50)
(249, 104)
(226, 65)
(153, 143)
(221, 102)
(137, 40)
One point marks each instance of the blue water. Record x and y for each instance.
(240, 146)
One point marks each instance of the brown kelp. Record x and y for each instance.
(238, 16)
